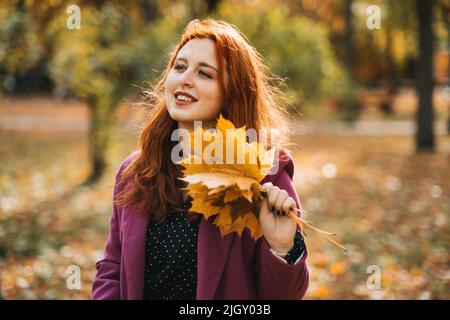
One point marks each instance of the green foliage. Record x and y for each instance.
(116, 49)
(19, 45)
(94, 62)
(346, 94)
(109, 55)
(296, 48)
(105, 60)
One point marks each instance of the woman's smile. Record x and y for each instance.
(183, 98)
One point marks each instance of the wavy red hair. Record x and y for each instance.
(250, 100)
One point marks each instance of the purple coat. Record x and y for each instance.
(231, 267)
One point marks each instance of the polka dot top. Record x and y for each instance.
(171, 258)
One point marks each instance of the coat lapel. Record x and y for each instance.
(134, 252)
(213, 253)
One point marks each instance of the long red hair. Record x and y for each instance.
(250, 100)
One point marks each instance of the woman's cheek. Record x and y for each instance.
(171, 81)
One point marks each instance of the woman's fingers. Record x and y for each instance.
(288, 204)
(278, 200)
(265, 189)
(272, 198)
(282, 196)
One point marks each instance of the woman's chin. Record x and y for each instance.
(181, 114)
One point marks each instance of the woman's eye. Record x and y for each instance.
(178, 67)
(182, 67)
(203, 73)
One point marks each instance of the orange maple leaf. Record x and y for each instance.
(228, 187)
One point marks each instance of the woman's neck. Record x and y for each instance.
(192, 125)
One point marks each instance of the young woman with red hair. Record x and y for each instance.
(154, 250)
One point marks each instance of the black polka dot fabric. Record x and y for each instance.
(171, 258)
(297, 251)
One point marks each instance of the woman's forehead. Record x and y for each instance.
(199, 50)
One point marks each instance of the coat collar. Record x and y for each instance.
(212, 255)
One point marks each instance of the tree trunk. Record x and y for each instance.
(211, 6)
(150, 10)
(98, 142)
(348, 37)
(424, 78)
(393, 81)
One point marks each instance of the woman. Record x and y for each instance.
(154, 249)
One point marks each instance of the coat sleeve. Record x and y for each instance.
(277, 280)
(106, 285)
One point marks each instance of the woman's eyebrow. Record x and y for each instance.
(201, 64)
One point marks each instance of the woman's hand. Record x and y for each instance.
(279, 230)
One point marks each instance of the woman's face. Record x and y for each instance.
(192, 90)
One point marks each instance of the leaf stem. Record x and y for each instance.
(306, 224)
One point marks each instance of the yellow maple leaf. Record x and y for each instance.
(253, 224)
(231, 195)
(223, 186)
(204, 207)
(223, 172)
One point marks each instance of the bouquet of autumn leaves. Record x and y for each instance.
(223, 174)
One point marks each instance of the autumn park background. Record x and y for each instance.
(370, 103)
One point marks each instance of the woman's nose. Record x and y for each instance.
(186, 78)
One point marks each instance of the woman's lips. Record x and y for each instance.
(183, 103)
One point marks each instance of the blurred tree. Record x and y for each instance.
(150, 10)
(20, 49)
(375, 56)
(101, 62)
(348, 37)
(398, 21)
(393, 80)
(444, 8)
(198, 9)
(296, 49)
(425, 113)
(391, 10)
(26, 50)
(211, 6)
